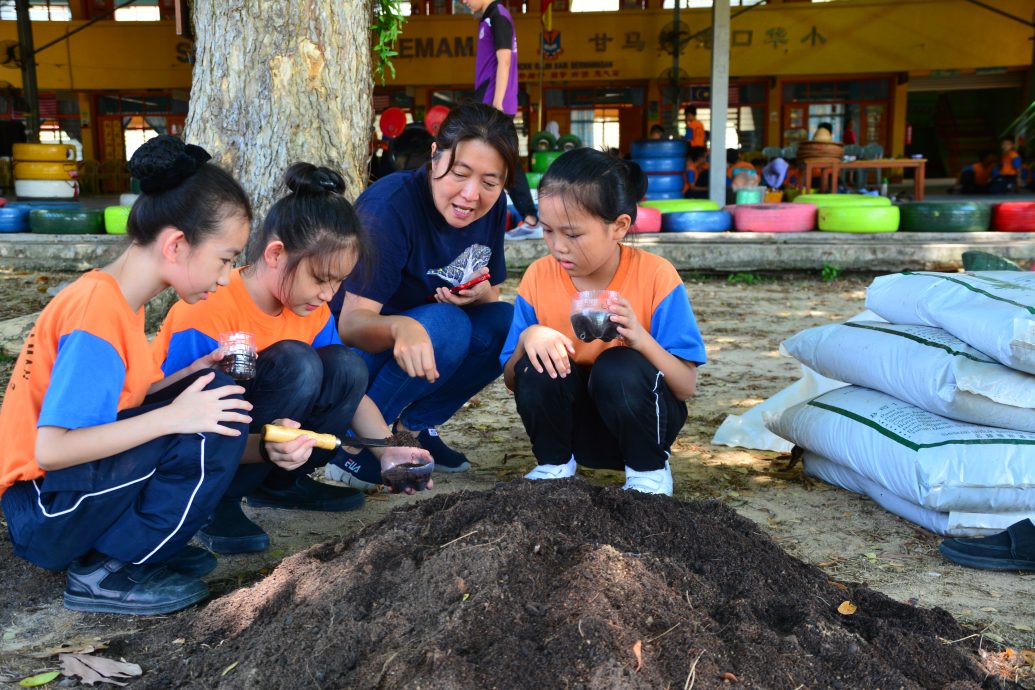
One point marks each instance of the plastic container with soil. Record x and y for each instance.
(36, 170)
(43, 152)
(661, 165)
(697, 221)
(775, 217)
(542, 160)
(408, 475)
(115, 218)
(647, 220)
(47, 221)
(1014, 216)
(590, 317)
(858, 219)
(953, 216)
(674, 205)
(823, 200)
(659, 148)
(662, 183)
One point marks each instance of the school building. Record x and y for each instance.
(939, 77)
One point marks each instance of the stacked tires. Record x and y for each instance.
(664, 161)
(775, 217)
(690, 215)
(854, 213)
(957, 216)
(45, 171)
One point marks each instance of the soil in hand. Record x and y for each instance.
(554, 584)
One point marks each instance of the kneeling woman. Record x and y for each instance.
(310, 241)
(608, 405)
(430, 348)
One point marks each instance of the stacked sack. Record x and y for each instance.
(938, 424)
(45, 171)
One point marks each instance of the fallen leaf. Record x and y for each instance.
(847, 608)
(870, 555)
(96, 669)
(1029, 657)
(80, 647)
(9, 636)
(39, 679)
(730, 678)
(1023, 628)
(826, 564)
(467, 595)
(229, 668)
(638, 653)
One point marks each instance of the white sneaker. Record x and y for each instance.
(525, 232)
(553, 471)
(652, 482)
(337, 473)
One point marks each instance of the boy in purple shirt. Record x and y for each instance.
(495, 79)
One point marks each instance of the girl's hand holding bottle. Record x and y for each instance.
(198, 411)
(548, 350)
(629, 327)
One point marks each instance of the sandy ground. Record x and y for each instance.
(743, 324)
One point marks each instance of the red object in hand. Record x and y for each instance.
(470, 283)
(392, 122)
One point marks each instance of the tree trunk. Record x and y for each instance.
(281, 81)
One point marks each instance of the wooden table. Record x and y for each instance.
(830, 171)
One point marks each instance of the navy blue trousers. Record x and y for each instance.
(140, 506)
(321, 389)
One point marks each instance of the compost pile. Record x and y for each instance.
(555, 584)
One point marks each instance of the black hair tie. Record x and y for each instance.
(325, 181)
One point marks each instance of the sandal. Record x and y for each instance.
(1013, 549)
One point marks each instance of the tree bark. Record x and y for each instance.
(281, 81)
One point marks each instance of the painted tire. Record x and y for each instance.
(676, 205)
(534, 179)
(647, 220)
(43, 152)
(540, 139)
(957, 216)
(697, 221)
(1014, 216)
(542, 160)
(46, 189)
(8, 225)
(858, 219)
(3, 202)
(14, 219)
(775, 217)
(569, 142)
(663, 196)
(128, 199)
(33, 170)
(115, 218)
(661, 165)
(34, 204)
(665, 183)
(46, 221)
(659, 148)
(824, 200)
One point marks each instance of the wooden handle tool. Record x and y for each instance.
(275, 433)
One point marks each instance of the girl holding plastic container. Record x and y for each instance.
(107, 469)
(303, 375)
(614, 399)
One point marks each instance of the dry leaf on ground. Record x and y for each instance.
(847, 608)
(96, 669)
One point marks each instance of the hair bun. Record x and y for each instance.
(306, 178)
(165, 162)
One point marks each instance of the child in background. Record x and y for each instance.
(1005, 178)
(310, 241)
(976, 177)
(608, 405)
(696, 183)
(695, 135)
(656, 132)
(108, 469)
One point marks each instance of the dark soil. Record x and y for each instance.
(548, 585)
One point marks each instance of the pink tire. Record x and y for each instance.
(647, 220)
(775, 217)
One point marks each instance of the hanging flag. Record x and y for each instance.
(546, 9)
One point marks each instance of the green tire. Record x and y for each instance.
(115, 218)
(858, 219)
(956, 216)
(823, 200)
(542, 141)
(542, 160)
(569, 142)
(47, 221)
(680, 205)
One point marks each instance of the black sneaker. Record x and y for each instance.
(192, 561)
(308, 494)
(112, 586)
(446, 459)
(230, 531)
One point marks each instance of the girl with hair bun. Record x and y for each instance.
(309, 243)
(613, 403)
(107, 468)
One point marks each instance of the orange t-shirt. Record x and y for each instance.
(1010, 163)
(695, 133)
(86, 360)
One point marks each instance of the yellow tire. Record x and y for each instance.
(44, 152)
(34, 170)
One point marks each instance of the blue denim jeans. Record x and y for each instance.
(467, 344)
(321, 389)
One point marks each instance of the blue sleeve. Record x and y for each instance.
(691, 177)
(674, 327)
(389, 230)
(85, 384)
(185, 348)
(524, 316)
(498, 226)
(328, 335)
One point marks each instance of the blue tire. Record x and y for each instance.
(13, 213)
(661, 165)
(662, 196)
(665, 183)
(696, 221)
(14, 225)
(659, 148)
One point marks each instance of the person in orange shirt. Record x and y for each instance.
(739, 174)
(107, 468)
(696, 172)
(1005, 177)
(694, 127)
(976, 177)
